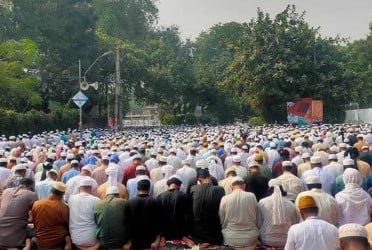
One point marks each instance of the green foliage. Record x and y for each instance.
(234, 70)
(18, 83)
(256, 121)
(36, 121)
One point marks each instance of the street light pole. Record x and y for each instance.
(84, 80)
(80, 109)
(118, 111)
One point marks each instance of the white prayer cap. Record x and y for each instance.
(112, 190)
(3, 160)
(333, 149)
(253, 164)
(272, 145)
(305, 155)
(332, 157)
(105, 158)
(237, 158)
(111, 170)
(86, 182)
(137, 157)
(234, 150)
(163, 159)
(352, 230)
(360, 136)
(287, 164)
(142, 178)
(74, 162)
(166, 168)
(70, 156)
(20, 167)
(348, 162)
(312, 179)
(52, 156)
(315, 160)
(364, 147)
(298, 149)
(87, 168)
(53, 171)
(203, 164)
(342, 145)
(237, 180)
(140, 167)
(63, 154)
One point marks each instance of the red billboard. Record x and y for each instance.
(305, 111)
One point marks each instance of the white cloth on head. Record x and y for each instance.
(278, 214)
(112, 172)
(275, 235)
(353, 198)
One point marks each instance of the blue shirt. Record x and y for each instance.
(69, 174)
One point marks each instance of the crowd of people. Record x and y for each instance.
(207, 187)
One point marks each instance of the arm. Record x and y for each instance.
(290, 244)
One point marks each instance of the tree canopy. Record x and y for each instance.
(233, 70)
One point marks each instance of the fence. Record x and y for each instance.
(358, 116)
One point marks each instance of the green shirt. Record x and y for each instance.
(109, 215)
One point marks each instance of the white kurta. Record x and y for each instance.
(354, 206)
(239, 229)
(72, 185)
(291, 184)
(151, 164)
(325, 178)
(335, 169)
(186, 173)
(275, 235)
(312, 234)
(81, 224)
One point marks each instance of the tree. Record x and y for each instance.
(64, 31)
(214, 51)
(284, 59)
(360, 65)
(18, 81)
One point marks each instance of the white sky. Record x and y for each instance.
(348, 18)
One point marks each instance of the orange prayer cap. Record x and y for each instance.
(306, 202)
(258, 157)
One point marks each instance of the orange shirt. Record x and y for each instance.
(50, 216)
(101, 191)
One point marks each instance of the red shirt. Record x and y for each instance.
(277, 169)
(130, 172)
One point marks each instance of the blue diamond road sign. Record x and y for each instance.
(80, 99)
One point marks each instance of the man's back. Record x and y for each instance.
(205, 204)
(15, 204)
(313, 233)
(51, 217)
(109, 215)
(239, 229)
(143, 215)
(82, 226)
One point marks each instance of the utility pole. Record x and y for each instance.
(80, 108)
(118, 112)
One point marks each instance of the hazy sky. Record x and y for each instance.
(348, 18)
